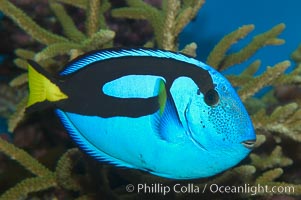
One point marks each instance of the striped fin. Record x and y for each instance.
(41, 88)
(166, 121)
(86, 145)
(96, 56)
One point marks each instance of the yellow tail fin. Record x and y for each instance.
(41, 88)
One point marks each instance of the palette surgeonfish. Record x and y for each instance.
(153, 110)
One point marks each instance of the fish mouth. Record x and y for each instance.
(250, 144)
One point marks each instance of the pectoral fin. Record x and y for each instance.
(166, 121)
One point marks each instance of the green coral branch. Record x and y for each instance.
(252, 68)
(292, 132)
(282, 113)
(83, 4)
(62, 177)
(263, 80)
(167, 22)
(67, 23)
(221, 61)
(85, 197)
(246, 75)
(168, 36)
(18, 115)
(149, 44)
(64, 170)
(58, 45)
(139, 3)
(260, 139)
(21, 63)
(185, 13)
(279, 115)
(296, 55)
(285, 120)
(141, 10)
(92, 22)
(98, 40)
(269, 176)
(276, 159)
(56, 49)
(23, 55)
(133, 13)
(190, 49)
(27, 186)
(22, 157)
(176, 16)
(259, 41)
(196, 6)
(293, 77)
(218, 53)
(19, 80)
(105, 6)
(28, 25)
(26, 54)
(182, 19)
(188, 11)
(267, 179)
(45, 179)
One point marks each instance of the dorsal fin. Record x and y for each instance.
(100, 55)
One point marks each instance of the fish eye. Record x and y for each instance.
(211, 97)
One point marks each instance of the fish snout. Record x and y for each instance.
(249, 143)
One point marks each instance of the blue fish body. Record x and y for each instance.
(153, 110)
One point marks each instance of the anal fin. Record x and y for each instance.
(88, 146)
